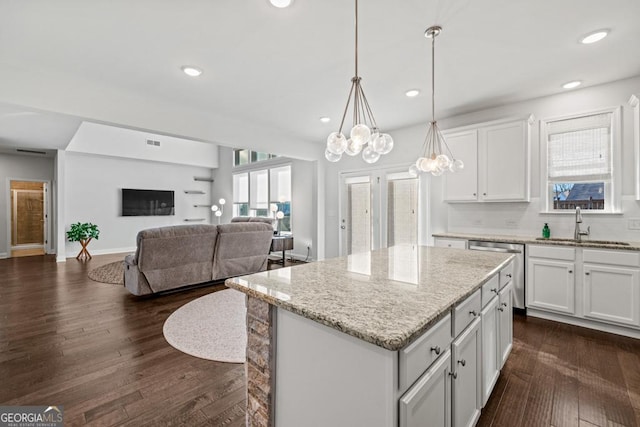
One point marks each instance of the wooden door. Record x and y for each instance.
(27, 213)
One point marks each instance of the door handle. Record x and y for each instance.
(343, 227)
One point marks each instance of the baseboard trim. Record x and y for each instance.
(4, 255)
(603, 327)
(109, 251)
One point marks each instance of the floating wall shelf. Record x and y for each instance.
(201, 206)
(202, 178)
(193, 192)
(193, 219)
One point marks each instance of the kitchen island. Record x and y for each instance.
(347, 341)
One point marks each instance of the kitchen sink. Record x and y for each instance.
(585, 241)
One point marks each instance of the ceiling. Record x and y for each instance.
(283, 69)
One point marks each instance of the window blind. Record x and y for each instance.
(580, 149)
(241, 188)
(281, 184)
(259, 189)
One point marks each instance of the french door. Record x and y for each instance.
(378, 209)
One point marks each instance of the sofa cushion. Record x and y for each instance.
(177, 254)
(265, 219)
(241, 248)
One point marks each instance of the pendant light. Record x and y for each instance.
(437, 156)
(365, 136)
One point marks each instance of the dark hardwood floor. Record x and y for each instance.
(99, 351)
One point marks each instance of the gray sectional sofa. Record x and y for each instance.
(167, 258)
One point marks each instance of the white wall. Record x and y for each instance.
(492, 218)
(93, 194)
(17, 167)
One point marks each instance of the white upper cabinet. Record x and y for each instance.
(462, 186)
(496, 158)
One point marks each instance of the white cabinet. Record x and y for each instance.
(466, 373)
(490, 347)
(428, 402)
(550, 279)
(496, 158)
(442, 242)
(505, 323)
(611, 286)
(462, 186)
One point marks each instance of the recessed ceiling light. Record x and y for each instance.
(281, 3)
(191, 71)
(412, 93)
(594, 37)
(571, 85)
(325, 119)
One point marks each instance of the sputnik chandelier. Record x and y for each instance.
(365, 136)
(435, 148)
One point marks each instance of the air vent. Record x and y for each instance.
(20, 150)
(153, 142)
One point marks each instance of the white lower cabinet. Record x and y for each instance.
(551, 284)
(428, 402)
(505, 323)
(466, 372)
(612, 293)
(490, 347)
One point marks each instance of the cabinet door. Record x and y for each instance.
(467, 381)
(463, 185)
(551, 285)
(612, 294)
(503, 162)
(505, 323)
(490, 348)
(428, 402)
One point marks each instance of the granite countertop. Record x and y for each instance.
(531, 240)
(387, 297)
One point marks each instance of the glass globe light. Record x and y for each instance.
(332, 157)
(214, 208)
(280, 215)
(443, 161)
(437, 171)
(377, 142)
(361, 134)
(421, 164)
(457, 165)
(222, 201)
(218, 213)
(370, 156)
(387, 143)
(336, 144)
(353, 149)
(413, 171)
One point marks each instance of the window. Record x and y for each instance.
(243, 157)
(264, 192)
(582, 162)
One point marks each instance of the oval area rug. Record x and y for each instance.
(109, 273)
(211, 327)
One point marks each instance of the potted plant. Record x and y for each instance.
(83, 233)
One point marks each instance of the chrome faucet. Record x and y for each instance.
(577, 234)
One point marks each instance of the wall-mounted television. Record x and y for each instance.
(147, 202)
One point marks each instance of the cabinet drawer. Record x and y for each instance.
(466, 312)
(552, 252)
(506, 274)
(490, 290)
(451, 243)
(625, 258)
(418, 356)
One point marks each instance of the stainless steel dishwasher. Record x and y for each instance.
(518, 266)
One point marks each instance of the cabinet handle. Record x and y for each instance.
(570, 271)
(484, 194)
(462, 362)
(494, 290)
(587, 273)
(473, 313)
(508, 275)
(454, 375)
(500, 309)
(436, 349)
(474, 194)
(504, 304)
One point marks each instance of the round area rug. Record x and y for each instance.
(211, 327)
(109, 273)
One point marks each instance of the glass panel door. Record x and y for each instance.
(356, 215)
(402, 211)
